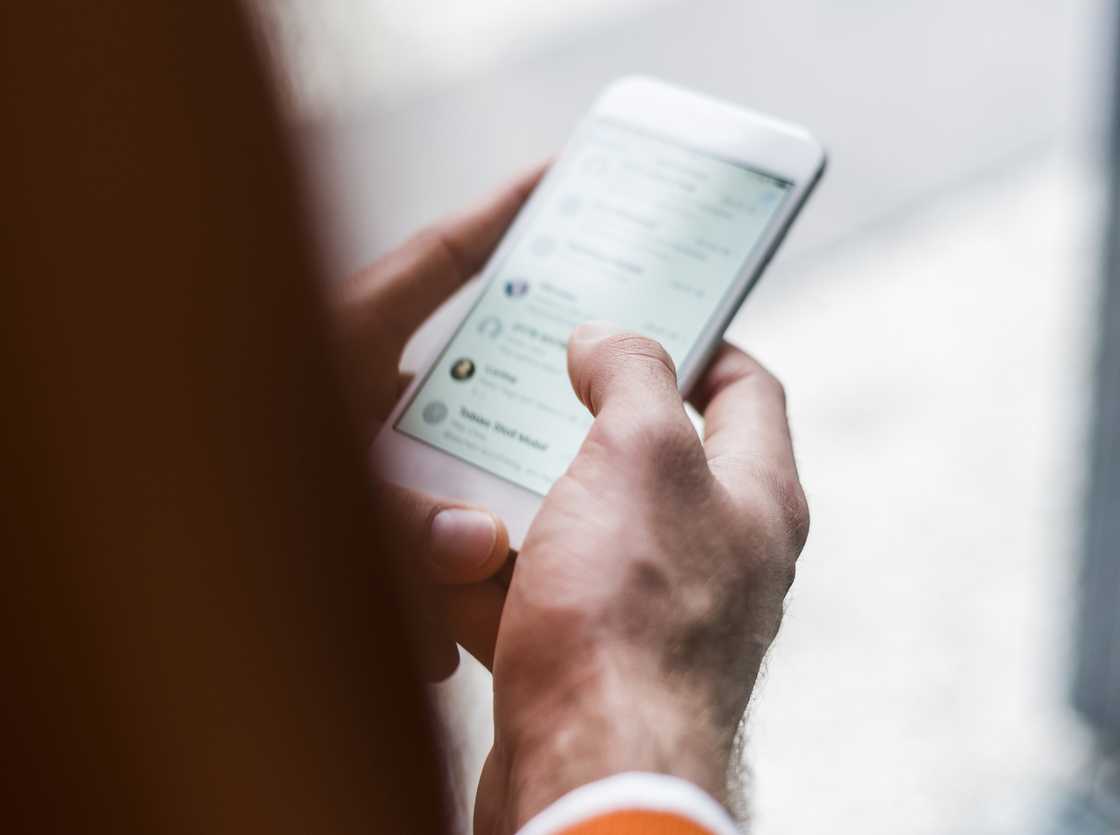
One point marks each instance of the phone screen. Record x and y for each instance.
(630, 228)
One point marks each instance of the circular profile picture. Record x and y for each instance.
(491, 326)
(516, 288)
(463, 369)
(435, 412)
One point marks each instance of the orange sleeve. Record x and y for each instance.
(637, 823)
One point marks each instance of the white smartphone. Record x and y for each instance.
(660, 214)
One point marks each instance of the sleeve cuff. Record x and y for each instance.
(633, 792)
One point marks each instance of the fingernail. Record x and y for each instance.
(462, 539)
(594, 331)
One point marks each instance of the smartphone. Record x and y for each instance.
(660, 214)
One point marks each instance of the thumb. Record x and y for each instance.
(627, 380)
(455, 542)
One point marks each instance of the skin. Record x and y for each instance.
(651, 583)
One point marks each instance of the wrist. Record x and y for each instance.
(611, 719)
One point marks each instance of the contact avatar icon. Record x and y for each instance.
(435, 412)
(516, 288)
(463, 369)
(491, 326)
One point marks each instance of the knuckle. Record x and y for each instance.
(432, 245)
(774, 387)
(776, 520)
(428, 237)
(793, 510)
(426, 240)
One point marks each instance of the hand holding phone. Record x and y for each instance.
(650, 585)
(659, 216)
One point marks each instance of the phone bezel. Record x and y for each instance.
(696, 121)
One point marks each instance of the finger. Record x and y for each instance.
(616, 371)
(453, 541)
(746, 432)
(473, 613)
(629, 383)
(392, 297)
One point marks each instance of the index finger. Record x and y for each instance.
(392, 297)
(746, 431)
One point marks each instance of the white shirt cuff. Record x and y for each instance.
(633, 791)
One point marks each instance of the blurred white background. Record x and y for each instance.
(931, 315)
